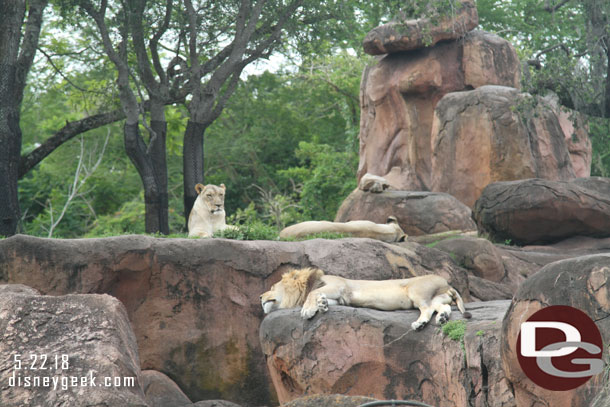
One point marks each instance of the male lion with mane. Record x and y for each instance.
(315, 291)
(208, 213)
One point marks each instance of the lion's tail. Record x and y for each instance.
(459, 302)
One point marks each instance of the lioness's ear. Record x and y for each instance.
(223, 186)
(391, 219)
(199, 188)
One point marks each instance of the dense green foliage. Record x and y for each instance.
(286, 144)
(285, 147)
(565, 49)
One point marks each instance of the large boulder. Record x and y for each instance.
(398, 96)
(398, 36)
(194, 304)
(581, 283)
(537, 211)
(418, 213)
(495, 133)
(48, 339)
(161, 391)
(359, 351)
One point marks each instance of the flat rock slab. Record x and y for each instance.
(413, 34)
(359, 351)
(536, 211)
(46, 339)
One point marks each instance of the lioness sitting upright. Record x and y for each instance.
(315, 291)
(208, 213)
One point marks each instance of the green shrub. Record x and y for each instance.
(455, 330)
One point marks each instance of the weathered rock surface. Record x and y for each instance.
(581, 283)
(574, 127)
(413, 34)
(46, 341)
(194, 304)
(489, 60)
(490, 276)
(335, 400)
(356, 351)
(418, 213)
(538, 211)
(161, 391)
(398, 96)
(493, 133)
(214, 403)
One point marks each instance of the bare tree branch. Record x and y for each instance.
(553, 8)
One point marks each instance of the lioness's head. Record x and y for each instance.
(292, 290)
(400, 235)
(212, 196)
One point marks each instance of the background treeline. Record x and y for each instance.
(286, 143)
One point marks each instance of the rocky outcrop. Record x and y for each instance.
(538, 211)
(447, 116)
(194, 305)
(495, 271)
(418, 213)
(493, 134)
(407, 35)
(581, 283)
(398, 96)
(355, 351)
(48, 341)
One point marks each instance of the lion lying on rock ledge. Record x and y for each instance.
(390, 232)
(315, 291)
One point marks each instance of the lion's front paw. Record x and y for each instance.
(308, 313)
(418, 326)
(322, 303)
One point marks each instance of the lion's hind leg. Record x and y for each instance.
(442, 305)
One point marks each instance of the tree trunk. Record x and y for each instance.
(12, 83)
(158, 157)
(10, 147)
(151, 165)
(192, 163)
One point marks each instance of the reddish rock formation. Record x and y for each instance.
(581, 283)
(574, 127)
(489, 60)
(356, 351)
(398, 96)
(413, 34)
(418, 213)
(493, 134)
(87, 337)
(194, 304)
(539, 211)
